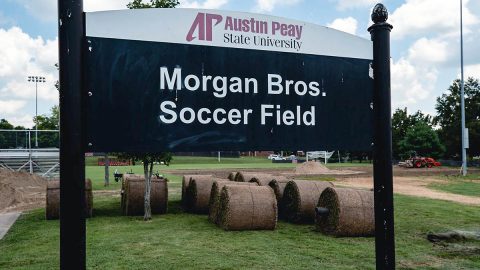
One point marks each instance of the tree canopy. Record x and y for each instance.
(401, 123)
(423, 139)
(448, 117)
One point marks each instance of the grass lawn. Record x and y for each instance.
(469, 185)
(185, 241)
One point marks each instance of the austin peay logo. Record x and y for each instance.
(203, 25)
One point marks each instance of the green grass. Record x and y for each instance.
(184, 241)
(469, 185)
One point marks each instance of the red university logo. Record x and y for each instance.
(203, 25)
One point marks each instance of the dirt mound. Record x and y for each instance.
(21, 191)
(311, 167)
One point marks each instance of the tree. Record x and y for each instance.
(48, 122)
(423, 139)
(449, 117)
(149, 159)
(401, 122)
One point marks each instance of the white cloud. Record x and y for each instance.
(208, 4)
(427, 50)
(471, 71)
(411, 83)
(22, 56)
(420, 17)
(24, 120)
(45, 10)
(348, 4)
(11, 106)
(269, 5)
(348, 25)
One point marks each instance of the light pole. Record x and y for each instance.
(36, 80)
(462, 95)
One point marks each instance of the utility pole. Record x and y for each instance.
(462, 95)
(36, 80)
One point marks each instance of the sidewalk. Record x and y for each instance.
(6, 221)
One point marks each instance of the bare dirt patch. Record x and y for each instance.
(20, 191)
(413, 186)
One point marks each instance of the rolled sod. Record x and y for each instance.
(135, 194)
(262, 179)
(198, 194)
(185, 181)
(247, 208)
(245, 176)
(278, 185)
(52, 208)
(125, 178)
(214, 201)
(232, 175)
(351, 212)
(300, 198)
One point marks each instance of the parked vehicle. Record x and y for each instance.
(416, 161)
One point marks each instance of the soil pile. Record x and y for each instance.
(21, 191)
(311, 167)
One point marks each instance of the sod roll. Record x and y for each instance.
(214, 201)
(247, 208)
(198, 194)
(232, 175)
(135, 193)
(351, 212)
(186, 181)
(52, 209)
(300, 198)
(278, 185)
(245, 176)
(262, 179)
(125, 178)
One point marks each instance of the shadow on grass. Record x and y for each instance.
(106, 207)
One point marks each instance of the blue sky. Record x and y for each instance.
(425, 44)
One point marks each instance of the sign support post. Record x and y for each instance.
(72, 155)
(382, 140)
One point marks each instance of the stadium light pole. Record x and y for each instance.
(36, 80)
(462, 95)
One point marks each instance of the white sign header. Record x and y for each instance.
(226, 29)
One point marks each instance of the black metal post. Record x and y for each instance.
(72, 154)
(382, 149)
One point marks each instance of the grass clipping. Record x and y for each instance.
(247, 208)
(198, 194)
(351, 212)
(214, 202)
(135, 194)
(52, 209)
(300, 198)
(186, 181)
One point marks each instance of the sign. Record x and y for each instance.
(199, 80)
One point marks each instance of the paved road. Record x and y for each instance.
(6, 221)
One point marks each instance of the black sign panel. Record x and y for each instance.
(153, 96)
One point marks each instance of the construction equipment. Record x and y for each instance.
(416, 161)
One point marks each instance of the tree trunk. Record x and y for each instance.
(148, 185)
(107, 174)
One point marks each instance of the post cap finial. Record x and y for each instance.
(379, 13)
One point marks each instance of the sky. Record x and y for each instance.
(425, 44)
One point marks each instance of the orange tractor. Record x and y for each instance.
(416, 161)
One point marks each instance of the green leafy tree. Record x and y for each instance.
(449, 117)
(423, 139)
(48, 122)
(401, 122)
(149, 159)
